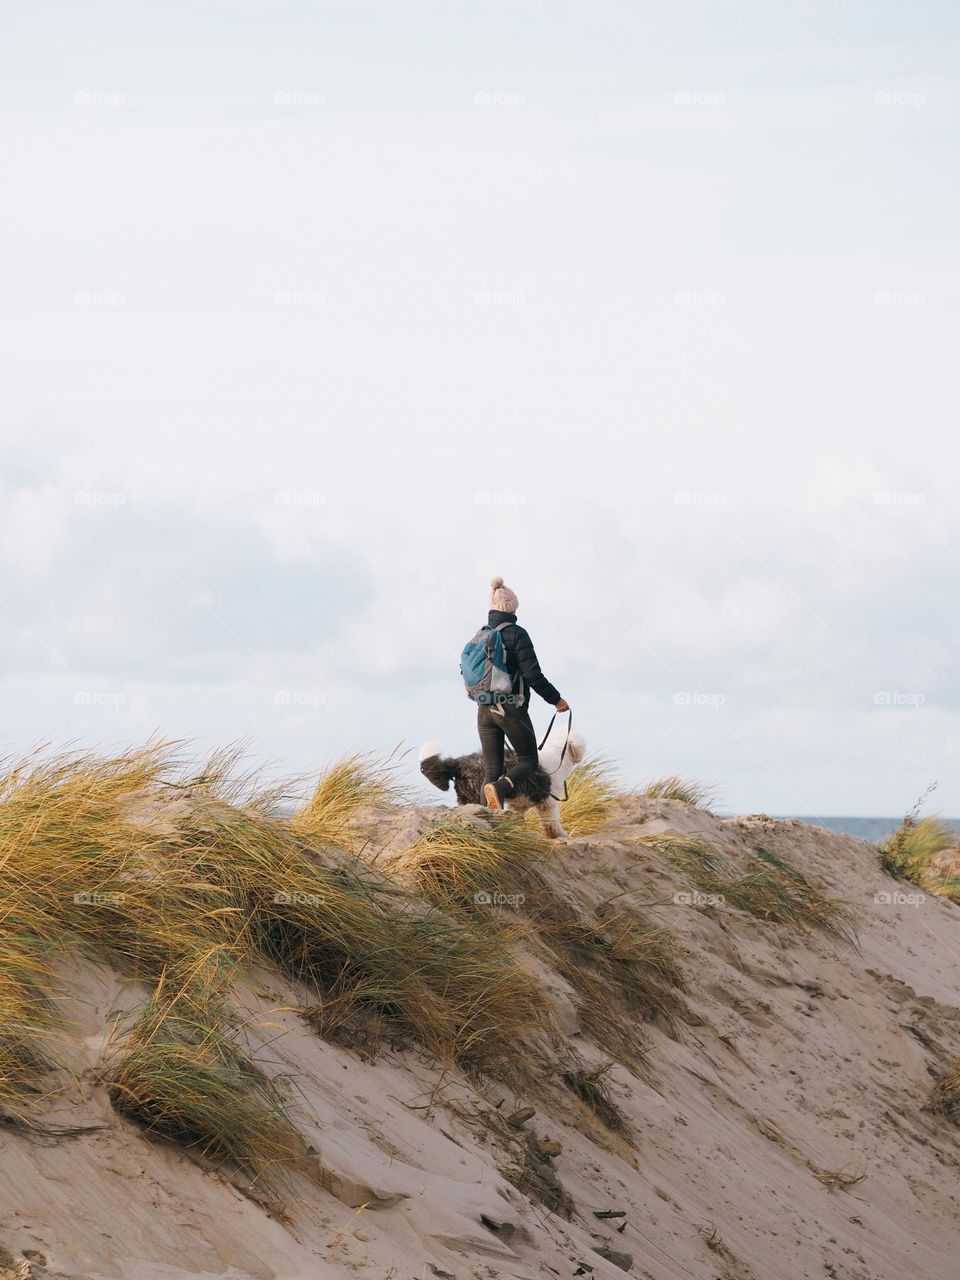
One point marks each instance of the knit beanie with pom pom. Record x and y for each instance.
(502, 597)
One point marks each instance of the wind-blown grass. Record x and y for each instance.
(684, 790)
(946, 1093)
(179, 1075)
(617, 963)
(127, 862)
(591, 791)
(321, 919)
(770, 888)
(345, 787)
(912, 853)
(26, 1018)
(459, 858)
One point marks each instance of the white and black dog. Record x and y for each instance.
(541, 791)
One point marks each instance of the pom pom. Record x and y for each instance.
(496, 584)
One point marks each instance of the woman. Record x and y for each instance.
(509, 717)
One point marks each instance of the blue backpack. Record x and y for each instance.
(483, 665)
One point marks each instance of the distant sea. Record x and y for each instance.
(872, 829)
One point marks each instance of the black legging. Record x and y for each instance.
(515, 724)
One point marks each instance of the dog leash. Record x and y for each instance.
(562, 753)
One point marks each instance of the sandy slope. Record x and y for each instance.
(799, 1055)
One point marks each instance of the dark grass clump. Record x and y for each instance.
(770, 888)
(916, 850)
(181, 1077)
(946, 1093)
(683, 790)
(591, 1088)
(620, 966)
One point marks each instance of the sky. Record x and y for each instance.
(317, 316)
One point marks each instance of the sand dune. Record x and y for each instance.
(774, 1123)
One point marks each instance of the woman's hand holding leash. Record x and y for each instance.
(562, 705)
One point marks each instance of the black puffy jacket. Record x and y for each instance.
(522, 657)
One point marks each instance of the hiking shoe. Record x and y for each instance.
(491, 793)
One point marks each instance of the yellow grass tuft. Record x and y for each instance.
(180, 1075)
(915, 852)
(771, 888)
(683, 790)
(26, 1018)
(591, 792)
(347, 786)
(123, 860)
(946, 1093)
(463, 862)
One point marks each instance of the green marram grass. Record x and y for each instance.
(912, 853)
(769, 887)
(683, 790)
(179, 880)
